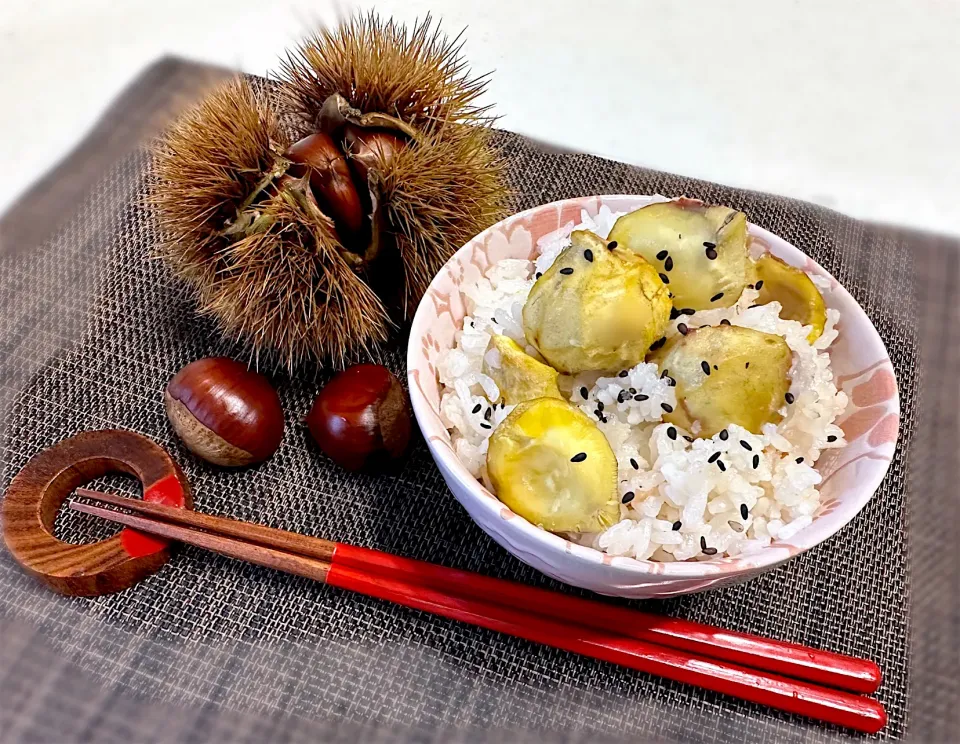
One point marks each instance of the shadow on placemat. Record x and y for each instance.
(209, 649)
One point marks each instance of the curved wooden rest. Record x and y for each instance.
(38, 491)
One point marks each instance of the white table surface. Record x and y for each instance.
(853, 105)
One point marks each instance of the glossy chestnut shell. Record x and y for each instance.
(361, 417)
(369, 147)
(330, 179)
(224, 412)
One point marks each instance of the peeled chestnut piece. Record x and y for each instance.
(329, 178)
(361, 417)
(224, 412)
(370, 147)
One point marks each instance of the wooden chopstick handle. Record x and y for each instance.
(792, 660)
(312, 547)
(261, 555)
(793, 696)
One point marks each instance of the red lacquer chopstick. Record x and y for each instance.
(823, 667)
(790, 695)
(793, 660)
(793, 696)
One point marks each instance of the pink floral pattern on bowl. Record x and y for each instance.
(851, 475)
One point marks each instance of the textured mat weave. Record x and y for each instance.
(89, 334)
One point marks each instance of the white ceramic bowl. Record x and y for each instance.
(850, 476)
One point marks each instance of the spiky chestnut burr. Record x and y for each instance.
(304, 250)
(447, 184)
(264, 259)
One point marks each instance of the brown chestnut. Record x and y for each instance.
(224, 412)
(329, 178)
(361, 417)
(368, 148)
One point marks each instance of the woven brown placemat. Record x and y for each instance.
(209, 649)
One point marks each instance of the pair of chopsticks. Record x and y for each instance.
(789, 677)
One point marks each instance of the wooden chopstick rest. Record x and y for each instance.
(37, 492)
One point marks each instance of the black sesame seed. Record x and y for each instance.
(664, 278)
(789, 398)
(759, 285)
(664, 373)
(712, 254)
(703, 542)
(597, 413)
(612, 244)
(709, 551)
(603, 419)
(756, 461)
(724, 434)
(753, 306)
(668, 264)
(640, 397)
(538, 275)
(722, 467)
(671, 382)
(677, 525)
(567, 271)
(627, 497)
(588, 254)
(705, 367)
(717, 296)
(672, 433)
(746, 445)
(634, 464)
(747, 365)
(485, 425)
(679, 236)
(667, 407)
(662, 255)
(620, 396)
(724, 322)
(682, 328)
(503, 405)
(658, 343)
(622, 373)
(599, 405)
(708, 244)
(832, 438)
(579, 457)
(799, 460)
(714, 457)
(674, 313)
(488, 413)
(744, 512)
(583, 393)
(687, 311)
(476, 408)
(689, 439)
(735, 526)
(632, 391)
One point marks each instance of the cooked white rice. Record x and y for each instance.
(681, 501)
